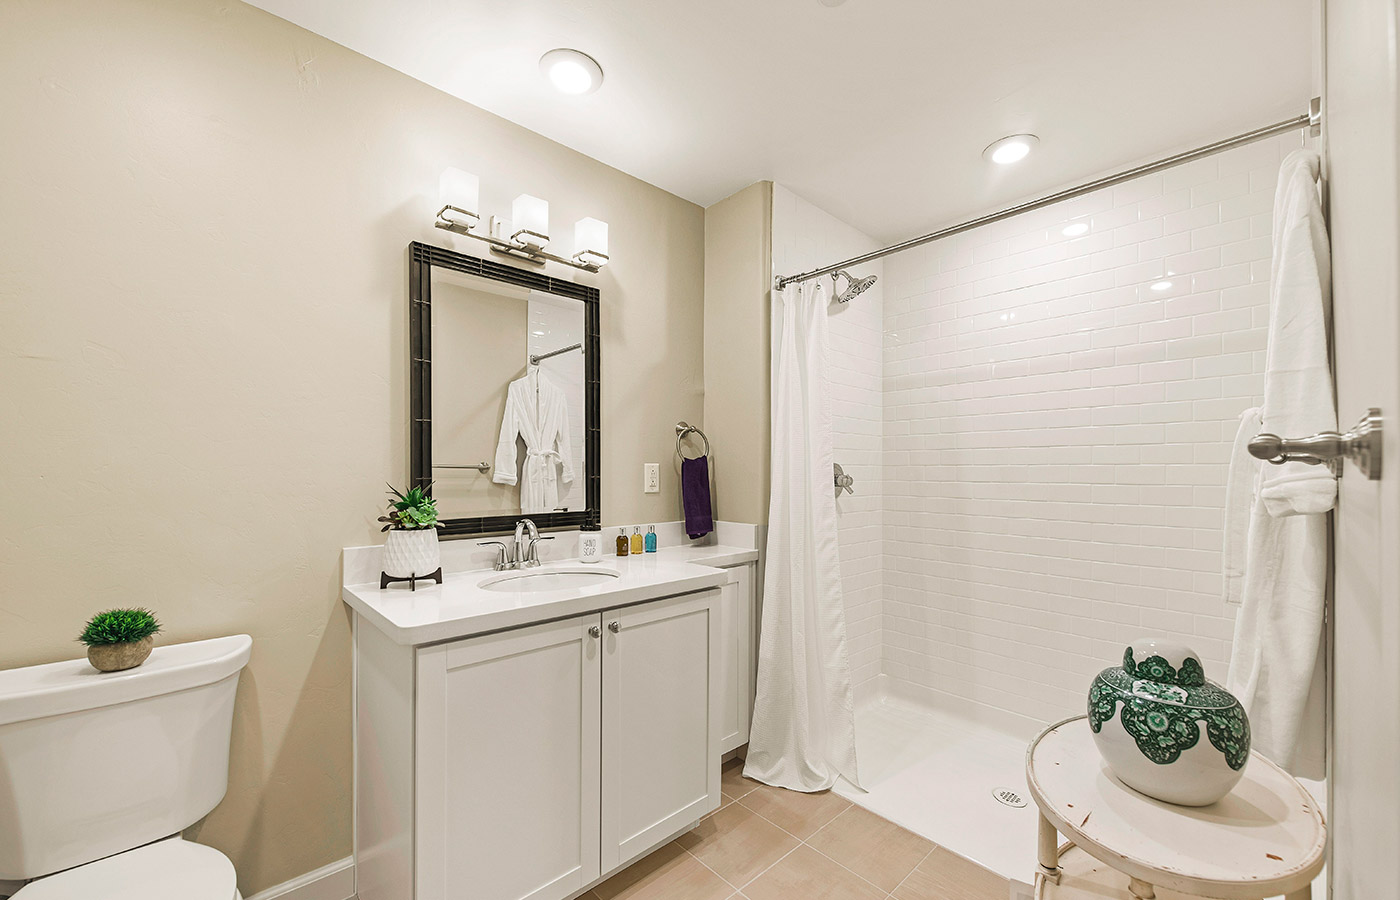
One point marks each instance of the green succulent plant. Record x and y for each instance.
(119, 626)
(414, 509)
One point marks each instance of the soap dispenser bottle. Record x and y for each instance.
(651, 539)
(637, 539)
(622, 542)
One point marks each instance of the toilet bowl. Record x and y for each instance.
(102, 771)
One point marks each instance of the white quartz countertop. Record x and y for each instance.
(460, 607)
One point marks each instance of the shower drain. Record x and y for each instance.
(1009, 797)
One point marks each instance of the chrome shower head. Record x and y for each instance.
(854, 286)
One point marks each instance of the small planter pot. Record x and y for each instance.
(1164, 729)
(115, 657)
(410, 553)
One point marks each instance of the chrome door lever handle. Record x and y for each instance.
(1362, 445)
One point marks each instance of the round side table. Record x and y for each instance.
(1265, 838)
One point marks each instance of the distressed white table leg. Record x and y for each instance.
(1140, 889)
(1048, 851)
(1303, 893)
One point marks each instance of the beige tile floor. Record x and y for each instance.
(766, 843)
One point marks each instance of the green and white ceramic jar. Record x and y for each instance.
(1166, 731)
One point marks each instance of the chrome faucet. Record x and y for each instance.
(521, 552)
(524, 554)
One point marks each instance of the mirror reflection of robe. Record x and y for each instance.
(537, 411)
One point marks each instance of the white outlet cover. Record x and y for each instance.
(651, 478)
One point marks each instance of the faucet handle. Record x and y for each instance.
(532, 558)
(502, 559)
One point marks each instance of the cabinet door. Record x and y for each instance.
(508, 764)
(736, 642)
(660, 722)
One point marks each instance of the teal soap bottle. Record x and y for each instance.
(651, 538)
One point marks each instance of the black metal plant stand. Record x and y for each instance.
(385, 580)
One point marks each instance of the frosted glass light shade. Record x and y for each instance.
(461, 191)
(531, 218)
(591, 242)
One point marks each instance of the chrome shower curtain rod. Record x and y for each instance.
(1311, 120)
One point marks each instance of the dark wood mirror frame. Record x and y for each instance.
(422, 259)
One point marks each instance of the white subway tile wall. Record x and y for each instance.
(805, 237)
(1058, 413)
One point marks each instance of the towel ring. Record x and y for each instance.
(682, 429)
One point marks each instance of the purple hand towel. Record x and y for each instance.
(695, 496)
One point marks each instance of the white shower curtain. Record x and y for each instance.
(803, 733)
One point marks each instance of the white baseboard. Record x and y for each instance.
(335, 881)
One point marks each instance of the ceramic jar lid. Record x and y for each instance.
(1165, 662)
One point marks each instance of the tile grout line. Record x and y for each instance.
(916, 867)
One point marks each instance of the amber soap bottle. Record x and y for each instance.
(622, 542)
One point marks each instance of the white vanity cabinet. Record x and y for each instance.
(738, 654)
(529, 763)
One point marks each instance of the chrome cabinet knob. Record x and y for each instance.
(595, 631)
(614, 626)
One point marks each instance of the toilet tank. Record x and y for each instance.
(94, 763)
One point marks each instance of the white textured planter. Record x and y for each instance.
(411, 553)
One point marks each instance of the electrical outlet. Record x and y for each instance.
(651, 478)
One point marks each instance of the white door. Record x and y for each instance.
(660, 722)
(508, 764)
(1360, 114)
(737, 618)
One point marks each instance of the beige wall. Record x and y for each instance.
(203, 213)
(738, 271)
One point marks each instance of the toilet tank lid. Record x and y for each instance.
(34, 692)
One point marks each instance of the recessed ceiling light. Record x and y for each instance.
(1160, 285)
(571, 71)
(1010, 149)
(1076, 229)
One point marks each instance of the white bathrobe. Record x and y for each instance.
(536, 411)
(1282, 584)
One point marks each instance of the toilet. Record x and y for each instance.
(100, 772)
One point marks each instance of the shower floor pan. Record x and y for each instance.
(955, 774)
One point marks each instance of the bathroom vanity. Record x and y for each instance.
(524, 734)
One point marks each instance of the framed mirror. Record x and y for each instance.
(504, 394)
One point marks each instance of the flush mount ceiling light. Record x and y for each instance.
(572, 71)
(1076, 229)
(1010, 149)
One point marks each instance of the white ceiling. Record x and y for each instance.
(875, 110)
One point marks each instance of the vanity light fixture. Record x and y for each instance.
(525, 235)
(1010, 149)
(591, 241)
(572, 71)
(460, 195)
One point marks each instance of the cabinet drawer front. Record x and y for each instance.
(514, 753)
(660, 701)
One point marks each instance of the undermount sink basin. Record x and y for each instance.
(552, 580)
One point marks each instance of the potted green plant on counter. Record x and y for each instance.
(119, 638)
(411, 550)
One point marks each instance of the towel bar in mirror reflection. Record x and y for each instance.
(480, 467)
